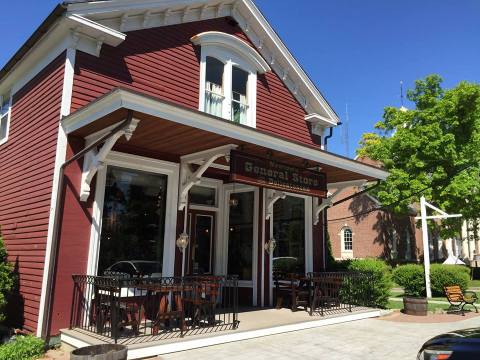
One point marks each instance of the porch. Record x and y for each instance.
(154, 316)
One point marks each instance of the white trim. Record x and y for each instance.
(234, 189)
(121, 98)
(146, 351)
(140, 163)
(61, 153)
(232, 43)
(95, 30)
(262, 279)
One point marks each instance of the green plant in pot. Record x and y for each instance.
(412, 278)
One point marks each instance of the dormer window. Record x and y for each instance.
(5, 103)
(228, 77)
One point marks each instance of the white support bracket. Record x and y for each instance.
(94, 159)
(319, 206)
(203, 158)
(271, 198)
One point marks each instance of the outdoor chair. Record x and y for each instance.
(201, 300)
(325, 293)
(458, 299)
(293, 288)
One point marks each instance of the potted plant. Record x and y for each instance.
(411, 278)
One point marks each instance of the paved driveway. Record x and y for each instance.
(365, 339)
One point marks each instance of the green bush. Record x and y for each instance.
(447, 275)
(412, 278)
(382, 280)
(6, 279)
(22, 348)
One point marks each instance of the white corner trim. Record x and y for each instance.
(232, 43)
(127, 99)
(61, 153)
(95, 30)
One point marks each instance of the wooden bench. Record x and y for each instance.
(458, 299)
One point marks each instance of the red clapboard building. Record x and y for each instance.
(121, 122)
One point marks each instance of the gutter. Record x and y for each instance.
(56, 225)
(325, 140)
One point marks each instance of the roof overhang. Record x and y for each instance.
(147, 106)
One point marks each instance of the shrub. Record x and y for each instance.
(382, 279)
(412, 278)
(6, 279)
(22, 348)
(447, 275)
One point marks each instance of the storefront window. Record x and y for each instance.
(289, 232)
(240, 235)
(202, 195)
(133, 223)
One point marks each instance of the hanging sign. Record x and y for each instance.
(268, 173)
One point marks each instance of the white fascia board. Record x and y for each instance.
(121, 98)
(95, 30)
(314, 93)
(320, 120)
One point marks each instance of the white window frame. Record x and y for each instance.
(8, 116)
(139, 163)
(230, 60)
(346, 254)
(222, 259)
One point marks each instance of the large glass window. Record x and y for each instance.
(347, 239)
(239, 95)
(289, 233)
(214, 86)
(240, 235)
(133, 224)
(202, 195)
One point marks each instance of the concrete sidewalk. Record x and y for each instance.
(385, 338)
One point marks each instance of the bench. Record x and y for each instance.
(459, 299)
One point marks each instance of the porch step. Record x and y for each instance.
(138, 348)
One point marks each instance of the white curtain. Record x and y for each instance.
(213, 99)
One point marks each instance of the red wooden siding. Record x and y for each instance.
(27, 163)
(163, 62)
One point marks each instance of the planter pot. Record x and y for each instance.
(100, 352)
(415, 306)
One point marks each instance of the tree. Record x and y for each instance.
(432, 150)
(6, 279)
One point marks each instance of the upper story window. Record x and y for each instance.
(5, 104)
(228, 77)
(347, 239)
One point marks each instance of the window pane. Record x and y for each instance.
(348, 239)
(3, 126)
(201, 256)
(240, 237)
(289, 232)
(4, 105)
(133, 223)
(214, 72)
(202, 195)
(214, 87)
(239, 95)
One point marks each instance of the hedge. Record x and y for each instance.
(412, 278)
(382, 279)
(6, 279)
(22, 348)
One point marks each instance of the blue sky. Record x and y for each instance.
(355, 51)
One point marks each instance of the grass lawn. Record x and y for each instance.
(397, 294)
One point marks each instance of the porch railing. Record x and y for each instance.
(123, 308)
(334, 291)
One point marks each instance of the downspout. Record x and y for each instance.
(56, 224)
(325, 217)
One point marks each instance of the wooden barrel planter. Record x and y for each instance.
(415, 306)
(100, 352)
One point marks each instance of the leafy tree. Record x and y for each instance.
(432, 150)
(6, 279)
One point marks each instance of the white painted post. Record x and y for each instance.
(426, 247)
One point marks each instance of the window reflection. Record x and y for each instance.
(289, 232)
(133, 224)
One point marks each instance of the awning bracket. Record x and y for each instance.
(271, 198)
(205, 159)
(95, 159)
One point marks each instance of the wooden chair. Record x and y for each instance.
(201, 300)
(295, 288)
(458, 299)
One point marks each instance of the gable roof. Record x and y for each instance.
(94, 19)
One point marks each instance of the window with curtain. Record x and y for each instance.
(239, 95)
(214, 86)
(4, 117)
(347, 239)
(289, 233)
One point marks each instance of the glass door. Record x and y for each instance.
(200, 248)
